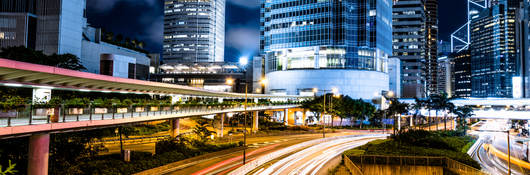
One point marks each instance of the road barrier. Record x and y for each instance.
(360, 163)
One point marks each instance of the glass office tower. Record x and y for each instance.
(194, 31)
(493, 50)
(326, 44)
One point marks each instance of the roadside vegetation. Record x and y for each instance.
(450, 144)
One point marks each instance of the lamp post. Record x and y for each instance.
(385, 95)
(334, 91)
(230, 81)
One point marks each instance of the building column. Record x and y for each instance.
(399, 122)
(304, 117)
(255, 120)
(38, 153)
(174, 131)
(285, 116)
(222, 124)
(411, 121)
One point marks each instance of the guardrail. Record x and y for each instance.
(354, 169)
(30, 115)
(446, 163)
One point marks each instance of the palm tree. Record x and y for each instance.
(396, 107)
(462, 114)
(417, 107)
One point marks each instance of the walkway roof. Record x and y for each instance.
(21, 74)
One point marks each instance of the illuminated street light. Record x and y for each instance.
(264, 81)
(243, 61)
(230, 81)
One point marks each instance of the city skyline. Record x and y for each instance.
(242, 22)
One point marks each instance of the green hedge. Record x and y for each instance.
(168, 151)
(419, 143)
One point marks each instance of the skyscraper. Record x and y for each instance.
(194, 31)
(431, 45)
(415, 33)
(493, 50)
(315, 44)
(462, 73)
(52, 26)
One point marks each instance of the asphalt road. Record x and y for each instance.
(312, 159)
(226, 162)
(489, 159)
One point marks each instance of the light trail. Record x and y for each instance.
(312, 159)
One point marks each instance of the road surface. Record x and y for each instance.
(312, 159)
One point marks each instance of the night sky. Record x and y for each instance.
(143, 20)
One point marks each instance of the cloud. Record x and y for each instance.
(244, 39)
(246, 3)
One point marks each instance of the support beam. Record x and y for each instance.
(304, 117)
(255, 120)
(222, 124)
(174, 131)
(38, 153)
(286, 116)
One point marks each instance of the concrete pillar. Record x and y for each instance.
(38, 153)
(411, 121)
(304, 117)
(174, 131)
(255, 120)
(285, 116)
(222, 124)
(399, 122)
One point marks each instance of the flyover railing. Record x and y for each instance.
(35, 114)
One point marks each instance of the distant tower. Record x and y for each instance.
(461, 38)
(194, 31)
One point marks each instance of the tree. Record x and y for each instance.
(20, 53)
(10, 169)
(442, 102)
(462, 114)
(396, 107)
(201, 130)
(67, 61)
(420, 104)
(315, 106)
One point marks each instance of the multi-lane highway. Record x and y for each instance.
(311, 160)
(492, 148)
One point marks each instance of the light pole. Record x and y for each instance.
(384, 96)
(334, 91)
(230, 82)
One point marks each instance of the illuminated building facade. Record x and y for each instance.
(462, 74)
(194, 31)
(493, 50)
(326, 44)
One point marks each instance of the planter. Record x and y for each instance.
(8, 113)
(121, 110)
(139, 109)
(75, 111)
(100, 110)
(53, 114)
(43, 111)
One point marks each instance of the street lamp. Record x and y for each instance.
(230, 81)
(335, 91)
(243, 61)
(385, 95)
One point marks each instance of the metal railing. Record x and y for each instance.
(447, 163)
(354, 169)
(33, 115)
